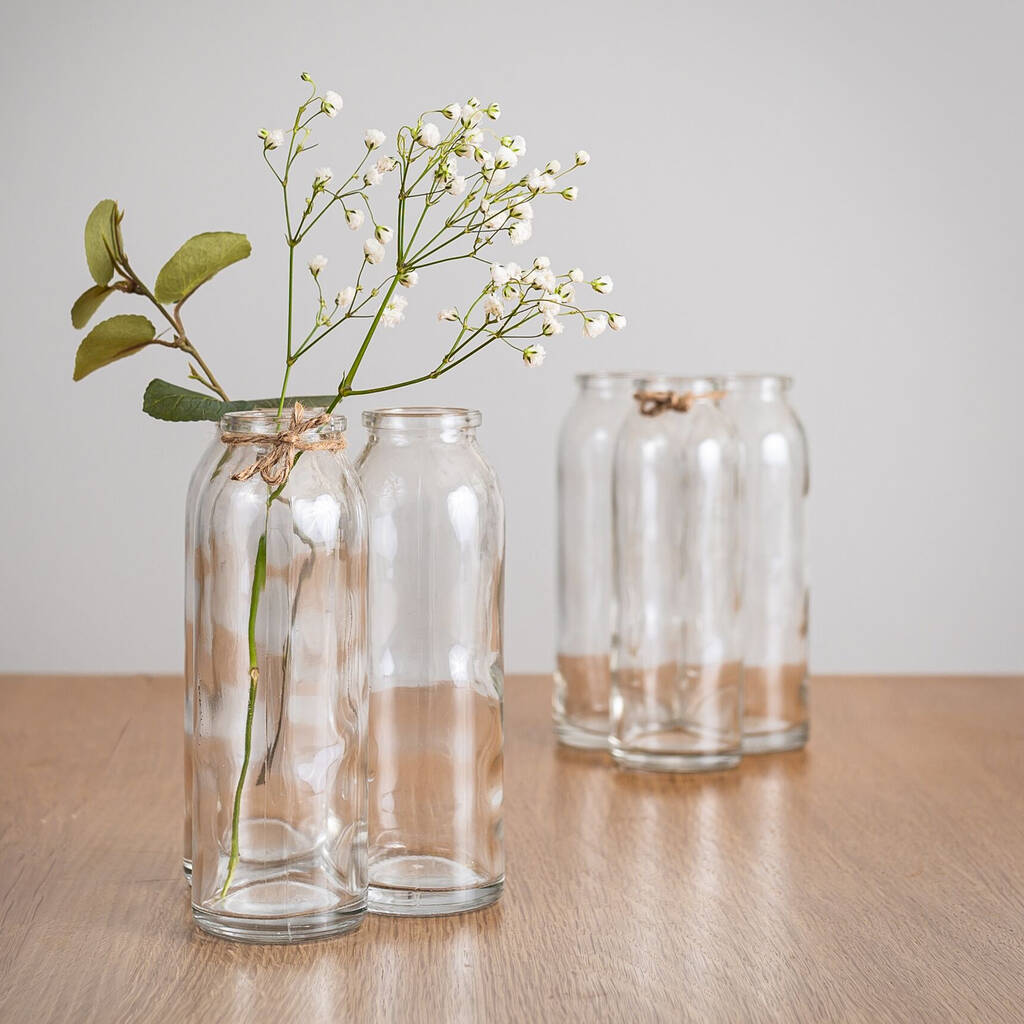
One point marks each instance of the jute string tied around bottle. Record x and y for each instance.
(276, 462)
(654, 403)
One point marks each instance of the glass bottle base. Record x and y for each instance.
(643, 761)
(575, 736)
(279, 930)
(431, 902)
(775, 742)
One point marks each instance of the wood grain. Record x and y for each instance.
(874, 877)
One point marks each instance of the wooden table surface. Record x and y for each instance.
(877, 876)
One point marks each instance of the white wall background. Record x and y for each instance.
(829, 189)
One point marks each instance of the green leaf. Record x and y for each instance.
(110, 340)
(174, 404)
(87, 303)
(98, 236)
(164, 401)
(197, 261)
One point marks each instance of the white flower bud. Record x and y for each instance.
(428, 135)
(520, 232)
(593, 326)
(499, 274)
(602, 284)
(522, 211)
(355, 219)
(331, 103)
(542, 263)
(552, 327)
(394, 311)
(344, 298)
(576, 275)
(373, 250)
(582, 157)
(570, 193)
(322, 176)
(385, 164)
(451, 314)
(456, 186)
(372, 177)
(409, 279)
(493, 309)
(552, 167)
(533, 355)
(514, 271)
(383, 234)
(373, 138)
(272, 140)
(616, 321)
(493, 111)
(505, 157)
(453, 112)
(316, 264)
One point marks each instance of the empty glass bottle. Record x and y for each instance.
(437, 540)
(775, 602)
(586, 592)
(279, 754)
(676, 690)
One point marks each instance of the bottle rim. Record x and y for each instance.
(267, 421)
(406, 417)
(750, 381)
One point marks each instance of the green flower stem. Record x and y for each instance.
(259, 580)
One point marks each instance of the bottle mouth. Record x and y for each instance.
(267, 421)
(756, 382)
(423, 417)
(667, 382)
(611, 380)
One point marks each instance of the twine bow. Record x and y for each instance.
(654, 403)
(276, 462)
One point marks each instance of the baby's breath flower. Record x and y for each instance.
(602, 284)
(374, 138)
(582, 157)
(394, 311)
(272, 140)
(355, 219)
(514, 271)
(499, 274)
(520, 232)
(565, 292)
(542, 263)
(493, 111)
(456, 186)
(386, 163)
(453, 112)
(493, 309)
(383, 234)
(516, 143)
(373, 250)
(616, 321)
(538, 181)
(552, 167)
(470, 112)
(595, 325)
(409, 279)
(533, 355)
(372, 177)
(428, 135)
(505, 157)
(323, 175)
(576, 275)
(331, 103)
(552, 327)
(571, 193)
(316, 264)
(344, 297)
(496, 222)
(495, 177)
(522, 211)
(451, 314)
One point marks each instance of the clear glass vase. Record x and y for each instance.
(436, 675)
(586, 593)
(775, 602)
(212, 454)
(279, 757)
(677, 685)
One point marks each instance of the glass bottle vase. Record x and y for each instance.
(677, 686)
(776, 596)
(279, 755)
(436, 674)
(586, 593)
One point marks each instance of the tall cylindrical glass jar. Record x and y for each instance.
(279, 755)
(437, 540)
(205, 468)
(775, 602)
(586, 593)
(676, 690)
